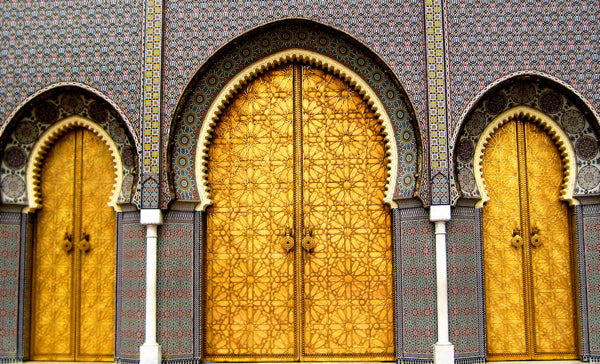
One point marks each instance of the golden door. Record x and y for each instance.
(74, 254)
(298, 251)
(528, 255)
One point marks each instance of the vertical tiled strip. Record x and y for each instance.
(436, 95)
(152, 94)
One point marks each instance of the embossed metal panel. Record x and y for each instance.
(530, 305)
(74, 259)
(348, 291)
(298, 254)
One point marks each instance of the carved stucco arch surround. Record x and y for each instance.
(559, 137)
(46, 141)
(313, 58)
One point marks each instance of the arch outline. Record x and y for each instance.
(293, 54)
(559, 137)
(45, 142)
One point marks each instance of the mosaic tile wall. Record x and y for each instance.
(588, 235)
(195, 30)
(561, 107)
(415, 265)
(131, 286)
(95, 43)
(10, 278)
(465, 284)
(39, 115)
(490, 39)
(175, 290)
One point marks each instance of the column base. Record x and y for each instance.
(443, 353)
(150, 354)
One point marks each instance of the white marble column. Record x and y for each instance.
(150, 352)
(443, 349)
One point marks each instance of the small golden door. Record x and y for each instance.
(528, 254)
(74, 253)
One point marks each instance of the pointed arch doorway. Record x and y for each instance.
(74, 262)
(298, 239)
(528, 253)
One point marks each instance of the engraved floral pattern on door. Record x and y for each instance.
(530, 307)
(317, 166)
(73, 285)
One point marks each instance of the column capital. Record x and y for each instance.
(151, 217)
(440, 213)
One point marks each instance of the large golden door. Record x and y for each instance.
(74, 254)
(528, 255)
(298, 251)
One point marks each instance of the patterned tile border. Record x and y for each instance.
(437, 96)
(151, 103)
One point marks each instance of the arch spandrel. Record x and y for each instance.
(62, 108)
(274, 41)
(545, 100)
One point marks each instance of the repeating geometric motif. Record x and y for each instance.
(10, 250)
(348, 289)
(589, 271)
(487, 42)
(97, 44)
(529, 293)
(75, 283)
(228, 62)
(131, 286)
(196, 30)
(151, 110)
(54, 270)
(41, 114)
(465, 284)
(345, 283)
(562, 108)
(416, 286)
(175, 291)
(97, 270)
(436, 97)
(249, 277)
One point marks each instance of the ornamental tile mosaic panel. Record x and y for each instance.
(561, 107)
(489, 40)
(175, 289)
(415, 260)
(465, 284)
(10, 235)
(209, 81)
(95, 43)
(589, 252)
(131, 286)
(195, 30)
(39, 115)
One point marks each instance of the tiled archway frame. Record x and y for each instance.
(570, 117)
(73, 105)
(202, 94)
